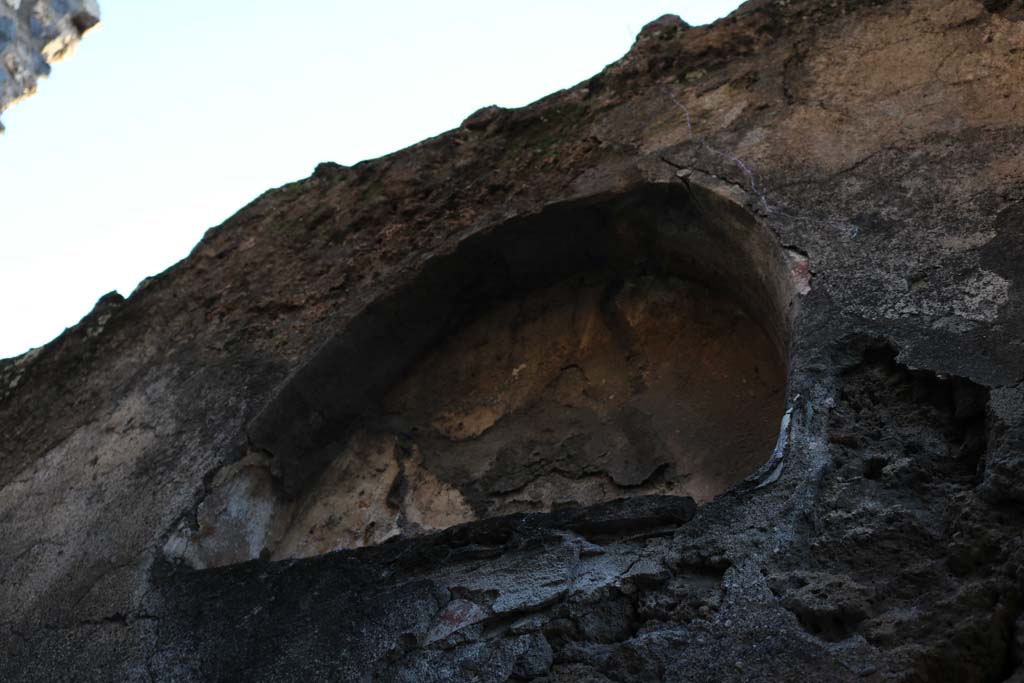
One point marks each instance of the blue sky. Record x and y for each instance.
(172, 115)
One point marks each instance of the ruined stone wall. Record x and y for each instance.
(33, 35)
(706, 369)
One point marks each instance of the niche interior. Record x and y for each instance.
(617, 346)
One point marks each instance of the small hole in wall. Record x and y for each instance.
(601, 350)
(873, 467)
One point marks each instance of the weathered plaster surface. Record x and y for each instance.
(877, 145)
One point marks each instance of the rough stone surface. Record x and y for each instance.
(851, 174)
(33, 35)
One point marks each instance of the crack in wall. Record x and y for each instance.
(752, 185)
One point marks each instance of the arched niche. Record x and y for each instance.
(613, 346)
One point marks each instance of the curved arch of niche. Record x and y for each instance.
(616, 346)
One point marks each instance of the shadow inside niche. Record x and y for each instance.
(612, 347)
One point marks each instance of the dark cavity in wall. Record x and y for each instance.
(618, 346)
(909, 554)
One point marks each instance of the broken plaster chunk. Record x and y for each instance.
(457, 615)
(521, 582)
(235, 522)
(799, 271)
